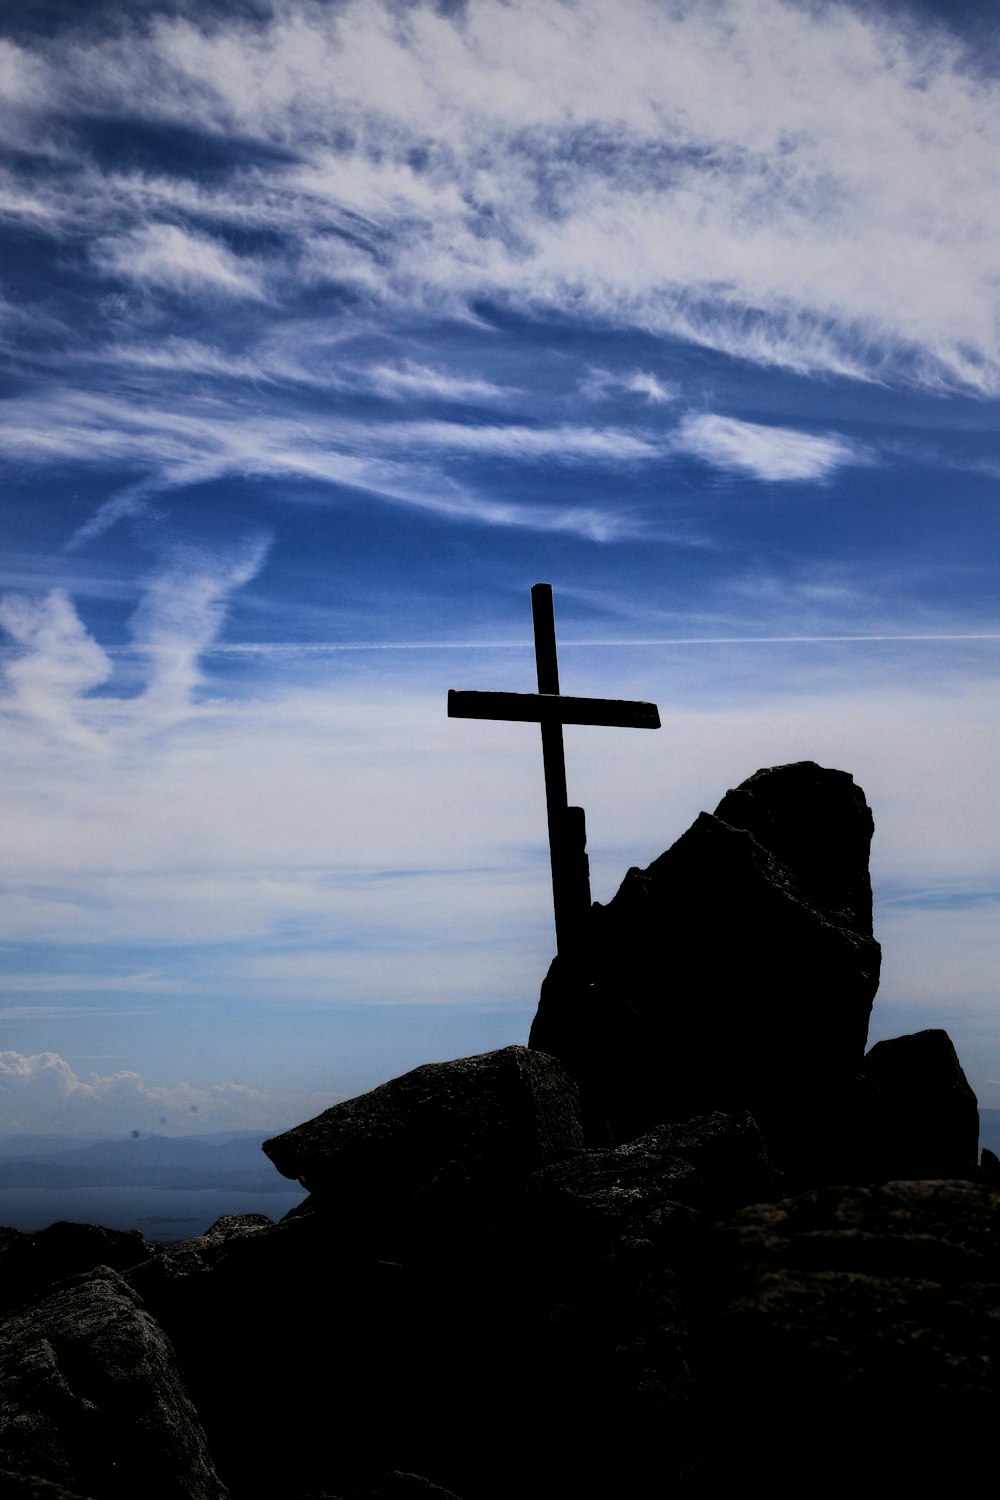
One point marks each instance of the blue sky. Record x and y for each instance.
(327, 330)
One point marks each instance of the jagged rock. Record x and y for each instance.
(728, 1154)
(91, 1398)
(652, 1190)
(736, 972)
(936, 1110)
(513, 1104)
(207, 1249)
(817, 824)
(31, 1262)
(864, 1323)
(151, 1278)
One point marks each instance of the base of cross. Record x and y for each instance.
(571, 883)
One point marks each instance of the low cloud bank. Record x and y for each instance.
(42, 1094)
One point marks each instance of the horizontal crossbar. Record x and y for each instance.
(552, 708)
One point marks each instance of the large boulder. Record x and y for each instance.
(91, 1398)
(934, 1110)
(736, 972)
(514, 1104)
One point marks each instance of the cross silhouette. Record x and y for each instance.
(551, 710)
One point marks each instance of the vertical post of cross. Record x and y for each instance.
(567, 827)
(547, 708)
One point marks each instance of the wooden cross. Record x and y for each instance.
(547, 707)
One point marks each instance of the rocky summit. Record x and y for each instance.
(692, 1234)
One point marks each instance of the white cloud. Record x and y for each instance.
(41, 1092)
(60, 663)
(409, 379)
(814, 186)
(182, 611)
(187, 440)
(25, 93)
(568, 443)
(601, 384)
(641, 383)
(189, 356)
(168, 256)
(768, 453)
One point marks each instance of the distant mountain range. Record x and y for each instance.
(231, 1161)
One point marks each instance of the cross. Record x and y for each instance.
(551, 710)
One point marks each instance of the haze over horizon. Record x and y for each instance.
(328, 329)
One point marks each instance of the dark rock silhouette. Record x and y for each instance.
(736, 972)
(818, 824)
(511, 1102)
(31, 1262)
(764, 1246)
(934, 1108)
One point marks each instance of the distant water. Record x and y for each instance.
(161, 1214)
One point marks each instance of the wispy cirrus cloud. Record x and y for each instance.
(181, 611)
(182, 356)
(166, 255)
(813, 187)
(189, 441)
(807, 186)
(568, 443)
(400, 382)
(598, 385)
(775, 454)
(60, 661)
(300, 356)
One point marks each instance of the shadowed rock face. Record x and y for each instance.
(513, 1104)
(861, 1322)
(736, 971)
(91, 1396)
(553, 1298)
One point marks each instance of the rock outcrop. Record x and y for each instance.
(760, 1251)
(737, 971)
(91, 1397)
(935, 1118)
(866, 1320)
(512, 1103)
